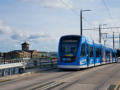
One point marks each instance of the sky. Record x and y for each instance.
(42, 22)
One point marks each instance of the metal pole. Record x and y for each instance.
(99, 34)
(4, 57)
(119, 41)
(81, 22)
(104, 42)
(113, 41)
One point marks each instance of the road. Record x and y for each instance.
(104, 77)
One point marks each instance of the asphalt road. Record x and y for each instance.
(104, 77)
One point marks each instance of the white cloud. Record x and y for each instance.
(16, 37)
(4, 29)
(52, 3)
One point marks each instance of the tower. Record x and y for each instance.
(25, 46)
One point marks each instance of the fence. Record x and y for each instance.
(41, 62)
(46, 62)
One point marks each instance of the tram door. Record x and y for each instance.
(83, 58)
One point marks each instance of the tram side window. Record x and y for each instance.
(100, 52)
(113, 55)
(87, 50)
(83, 50)
(91, 51)
(97, 52)
(107, 53)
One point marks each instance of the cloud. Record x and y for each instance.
(17, 36)
(52, 3)
(26, 36)
(8, 33)
(4, 29)
(14, 37)
(37, 36)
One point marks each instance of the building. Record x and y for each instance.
(24, 53)
(17, 54)
(34, 53)
(25, 46)
(1, 54)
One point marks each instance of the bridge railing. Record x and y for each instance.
(42, 62)
(2, 61)
(32, 62)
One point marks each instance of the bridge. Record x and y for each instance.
(22, 65)
(103, 77)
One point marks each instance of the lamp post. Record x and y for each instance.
(119, 40)
(81, 11)
(113, 41)
(100, 31)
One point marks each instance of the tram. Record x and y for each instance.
(76, 52)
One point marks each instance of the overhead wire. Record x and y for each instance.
(108, 28)
(107, 8)
(74, 11)
(95, 29)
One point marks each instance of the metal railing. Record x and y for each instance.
(41, 63)
(32, 62)
(2, 61)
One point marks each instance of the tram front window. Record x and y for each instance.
(69, 48)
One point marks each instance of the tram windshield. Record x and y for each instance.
(69, 47)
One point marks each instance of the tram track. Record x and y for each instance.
(56, 83)
(107, 79)
(38, 84)
(23, 78)
(84, 77)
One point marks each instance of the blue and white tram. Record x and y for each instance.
(98, 54)
(77, 52)
(114, 55)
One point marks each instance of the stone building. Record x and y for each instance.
(25, 46)
(24, 53)
(17, 54)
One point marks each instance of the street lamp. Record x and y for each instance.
(100, 31)
(113, 41)
(81, 11)
(119, 40)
